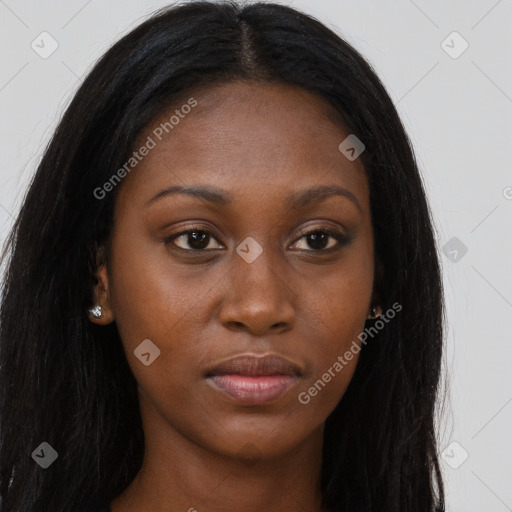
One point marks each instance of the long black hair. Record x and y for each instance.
(67, 382)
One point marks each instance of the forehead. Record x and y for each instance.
(246, 138)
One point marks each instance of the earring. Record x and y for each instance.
(96, 311)
(373, 312)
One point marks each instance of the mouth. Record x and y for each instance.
(254, 380)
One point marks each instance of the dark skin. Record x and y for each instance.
(259, 143)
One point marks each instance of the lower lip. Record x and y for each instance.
(252, 390)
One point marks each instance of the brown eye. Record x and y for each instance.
(193, 240)
(322, 240)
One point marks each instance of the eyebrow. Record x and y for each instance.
(294, 201)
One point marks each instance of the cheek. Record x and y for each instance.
(148, 295)
(155, 300)
(337, 309)
(335, 356)
(339, 305)
(152, 301)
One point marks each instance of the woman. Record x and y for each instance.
(222, 289)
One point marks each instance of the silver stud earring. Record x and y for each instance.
(373, 312)
(96, 311)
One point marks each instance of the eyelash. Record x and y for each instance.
(341, 239)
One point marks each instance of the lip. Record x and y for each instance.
(254, 380)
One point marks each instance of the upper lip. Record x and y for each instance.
(254, 365)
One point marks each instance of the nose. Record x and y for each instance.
(258, 299)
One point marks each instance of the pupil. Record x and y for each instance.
(197, 238)
(318, 240)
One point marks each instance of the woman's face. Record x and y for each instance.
(245, 267)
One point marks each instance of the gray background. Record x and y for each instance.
(458, 113)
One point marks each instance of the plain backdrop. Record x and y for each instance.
(448, 69)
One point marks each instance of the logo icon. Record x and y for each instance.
(44, 455)
(454, 45)
(44, 45)
(454, 249)
(454, 455)
(351, 147)
(147, 352)
(249, 249)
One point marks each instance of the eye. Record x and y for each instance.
(323, 240)
(199, 239)
(195, 239)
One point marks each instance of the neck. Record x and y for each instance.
(179, 475)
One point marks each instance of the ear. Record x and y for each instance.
(101, 294)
